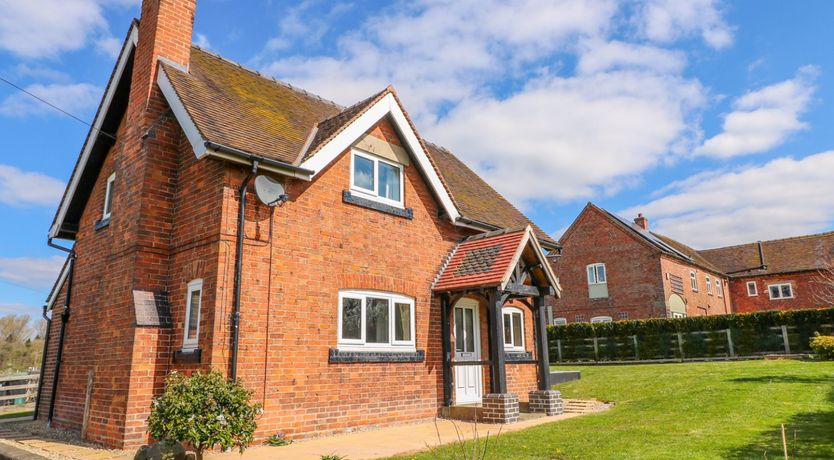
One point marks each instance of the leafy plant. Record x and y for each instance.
(205, 410)
(278, 440)
(461, 449)
(823, 346)
(333, 457)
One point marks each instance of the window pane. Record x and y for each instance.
(351, 319)
(376, 321)
(389, 181)
(751, 288)
(193, 315)
(470, 330)
(459, 330)
(774, 292)
(508, 326)
(402, 321)
(591, 276)
(363, 172)
(786, 290)
(109, 195)
(601, 273)
(517, 329)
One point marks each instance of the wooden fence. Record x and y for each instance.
(18, 389)
(684, 346)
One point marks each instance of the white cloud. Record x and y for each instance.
(46, 28)
(765, 118)
(570, 138)
(75, 98)
(666, 21)
(202, 41)
(781, 198)
(598, 55)
(27, 188)
(20, 309)
(33, 272)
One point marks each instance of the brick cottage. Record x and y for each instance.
(615, 269)
(387, 283)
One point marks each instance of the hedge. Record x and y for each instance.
(702, 336)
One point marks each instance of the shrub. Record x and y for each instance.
(823, 346)
(205, 410)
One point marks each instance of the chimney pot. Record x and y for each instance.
(641, 221)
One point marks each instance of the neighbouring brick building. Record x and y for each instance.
(782, 274)
(383, 281)
(614, 269)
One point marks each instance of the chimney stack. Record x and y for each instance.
(641, 221)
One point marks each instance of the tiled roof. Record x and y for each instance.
(480, 261)
(694, 255)
(242, 109)
(801, 253)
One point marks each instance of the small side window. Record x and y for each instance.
(108, 197)
(193, 300)
(513, 329)
(601, 319)
(693, 281)
(560, 321)
(709, 284)
(752, 290)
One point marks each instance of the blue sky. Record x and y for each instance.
(712, 118)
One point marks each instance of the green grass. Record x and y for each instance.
(23, 413)
(687, 411)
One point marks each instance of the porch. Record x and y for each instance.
(503, 278)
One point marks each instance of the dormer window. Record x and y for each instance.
(376, 179)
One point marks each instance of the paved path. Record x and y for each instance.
(383, 442)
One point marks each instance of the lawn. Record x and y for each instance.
(16, 414)
(687, 411)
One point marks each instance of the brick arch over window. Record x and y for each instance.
(380, 283)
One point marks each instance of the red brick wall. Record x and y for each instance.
(802, 283)
(700, 302)
(632, 268)
(51, 353)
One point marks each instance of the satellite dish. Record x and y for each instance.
(269, 191)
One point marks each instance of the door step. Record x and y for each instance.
(582, 406)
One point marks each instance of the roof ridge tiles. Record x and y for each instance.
(268, 77)
(776, 240)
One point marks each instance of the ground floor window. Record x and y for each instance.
(677, 314)
(513, 329)
(780, 291)
(191, 332)
(622, 316)
(370, 320)
(751, 289)
(560, 321)
(601, 319)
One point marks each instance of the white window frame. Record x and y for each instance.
(108, 190)
(677, 314)
(596, 266)
(361, 344)
(579, 318)
(719, 288)
(510, 346)
(709, 284)
(374, 194)
(601, 319)
(560, 321)
(781, 297)
(622, 316)
(693, 281)
(755, 291)
(192, 344)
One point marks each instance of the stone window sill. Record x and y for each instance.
(336, 356)
(513, 356)
(187, 356)
(350, 198)
(101, 223)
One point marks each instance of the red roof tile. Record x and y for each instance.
(481, 261)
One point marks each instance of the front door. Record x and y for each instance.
(468, 379)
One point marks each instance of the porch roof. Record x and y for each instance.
(490, 259)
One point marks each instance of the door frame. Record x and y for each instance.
(474, 305)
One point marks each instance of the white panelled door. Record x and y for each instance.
(468, 379)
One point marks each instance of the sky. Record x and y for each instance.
(711, 118)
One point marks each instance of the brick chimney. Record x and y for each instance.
(165, 30)
(641, 221)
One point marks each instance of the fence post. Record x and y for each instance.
(596, 349)
(785, 340)
(730, 342)
(559, 350)
(636, 352)
(680, 344)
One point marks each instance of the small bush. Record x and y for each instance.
(205, 410)
(278, 440)
(823, 346)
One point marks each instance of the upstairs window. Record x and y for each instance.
(780, 291)
(693, 281)
(376, 179)
(719, 288)
(596, 274)
(193, 300)
(513, 329)
(752, 290)
(709, 284)
(371, 320)
(108, 197)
